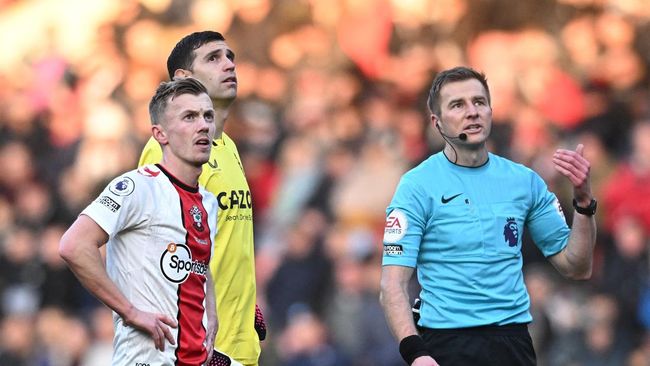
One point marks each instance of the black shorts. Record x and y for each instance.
(481, 346)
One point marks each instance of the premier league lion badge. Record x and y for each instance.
(511, 232)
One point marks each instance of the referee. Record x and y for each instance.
(459, 218)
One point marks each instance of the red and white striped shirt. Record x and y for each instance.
(158, 254)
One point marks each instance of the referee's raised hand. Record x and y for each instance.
(573, 165)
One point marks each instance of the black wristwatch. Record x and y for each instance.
(587, 211)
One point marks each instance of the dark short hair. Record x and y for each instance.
(460, 73)
(167, 91)
(182, 56)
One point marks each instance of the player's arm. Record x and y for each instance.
(211, 309)
(394, 300)
(79, 247)
(576, 259)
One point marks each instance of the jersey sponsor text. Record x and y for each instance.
(238, 198)
(176, 263)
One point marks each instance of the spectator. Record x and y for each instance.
(628, 191)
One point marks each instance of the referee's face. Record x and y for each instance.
(465, 109)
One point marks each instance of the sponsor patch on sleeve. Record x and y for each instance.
(395, 228)
(393, 249)
(122, 186)
(109, 203)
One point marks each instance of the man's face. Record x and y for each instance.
(214, 67)
(189, 126)
(464, 108)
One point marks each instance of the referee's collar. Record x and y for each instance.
(487, 161)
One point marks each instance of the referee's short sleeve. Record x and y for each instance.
(546, 220)
(405, 225)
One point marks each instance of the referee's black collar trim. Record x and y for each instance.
(465, 166)
(175, 181)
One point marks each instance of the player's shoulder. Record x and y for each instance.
(128, 182)
(229, 143)
(151, 144)
(148, 173)
(125, 184)
(227, 140)
(151, 152)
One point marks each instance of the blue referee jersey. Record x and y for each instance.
(462, 228)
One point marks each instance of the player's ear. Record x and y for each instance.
(181, 74)
(159, 134)
(435, 121)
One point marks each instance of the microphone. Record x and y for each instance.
(462, 136)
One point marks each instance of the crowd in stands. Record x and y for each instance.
(330, 112)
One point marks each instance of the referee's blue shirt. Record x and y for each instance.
(462, 229)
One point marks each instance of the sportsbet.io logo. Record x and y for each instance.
(176, 263)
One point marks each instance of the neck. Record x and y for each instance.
(221, 110)
(466, 155)
(182, 170)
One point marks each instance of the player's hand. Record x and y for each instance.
(155, 325)
(573, 165)
(210, 335)
(424, 361)
(221, 359)
(260, 324)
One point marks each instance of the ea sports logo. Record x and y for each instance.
(176, 262)
(395, 228)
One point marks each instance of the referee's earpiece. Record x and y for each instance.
(461, 136)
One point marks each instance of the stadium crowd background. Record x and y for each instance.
(331, 111)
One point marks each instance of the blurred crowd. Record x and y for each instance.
(330, 113)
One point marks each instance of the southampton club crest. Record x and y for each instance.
(197, 215)
(511, 232)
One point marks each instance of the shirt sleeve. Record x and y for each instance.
(151, 153)
(546, 220)
(120, 206)
(405, 225)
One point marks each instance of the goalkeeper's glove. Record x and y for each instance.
(260, 325)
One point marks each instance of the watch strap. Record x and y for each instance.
(587, 211)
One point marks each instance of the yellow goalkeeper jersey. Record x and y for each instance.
(232, 265)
